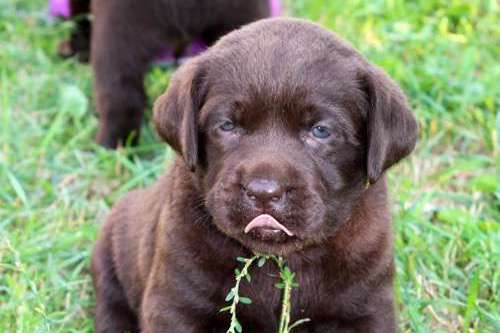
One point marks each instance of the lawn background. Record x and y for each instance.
(56, 185)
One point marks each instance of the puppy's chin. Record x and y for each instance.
(266, 241)
(283, 248)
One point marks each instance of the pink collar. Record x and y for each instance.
(60, 8)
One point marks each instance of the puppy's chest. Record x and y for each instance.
(263, 314)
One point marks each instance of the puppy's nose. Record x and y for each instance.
(264, 190)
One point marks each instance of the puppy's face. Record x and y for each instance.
(292, 159)
(279, 135)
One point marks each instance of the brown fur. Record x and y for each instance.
(166, 255)
(128, 34)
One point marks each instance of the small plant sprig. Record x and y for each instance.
(234, 297)
(286, 283)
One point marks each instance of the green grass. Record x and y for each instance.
(56, 185)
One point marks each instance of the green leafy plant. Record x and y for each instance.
(286, 284)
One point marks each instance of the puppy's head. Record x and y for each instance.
(283, 125)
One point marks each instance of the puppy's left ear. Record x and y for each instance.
(176, 111)
(391, 128)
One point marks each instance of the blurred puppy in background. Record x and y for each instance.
(127, 35)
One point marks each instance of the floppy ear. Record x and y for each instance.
(176, 112)
(391, 128)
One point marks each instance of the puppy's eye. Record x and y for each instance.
(320, 132)
(227, 126)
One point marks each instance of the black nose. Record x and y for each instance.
(264, 190)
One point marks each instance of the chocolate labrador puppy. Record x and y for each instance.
(284, 133)
(128, 34)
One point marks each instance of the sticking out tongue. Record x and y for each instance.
(267, 222)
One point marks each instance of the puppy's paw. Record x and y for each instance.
(112, 137)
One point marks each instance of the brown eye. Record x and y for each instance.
(320, 132)
(227, 126)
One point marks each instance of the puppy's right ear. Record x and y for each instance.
(176, 111)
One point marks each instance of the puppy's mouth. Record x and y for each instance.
(267, 228)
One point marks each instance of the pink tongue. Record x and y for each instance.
(266, 221)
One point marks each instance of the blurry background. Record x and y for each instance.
(56, 185)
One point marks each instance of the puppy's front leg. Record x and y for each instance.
(159, 316)
(125, 38)
(118, 84)
(112, 313)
